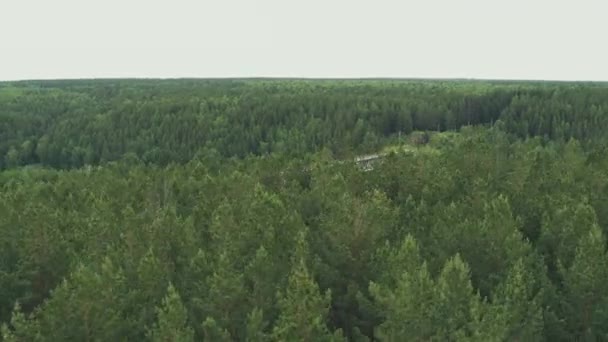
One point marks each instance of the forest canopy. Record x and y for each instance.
(234, 210)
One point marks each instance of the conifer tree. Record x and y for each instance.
(256, 327)
(21, 328)
(456, 302)
(303, 309)
(519, 298)
(586, 288)
(213, 332)
(172, 320)
(408, 307)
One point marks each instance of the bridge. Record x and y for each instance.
(366, 162)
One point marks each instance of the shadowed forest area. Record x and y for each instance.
(233, 210)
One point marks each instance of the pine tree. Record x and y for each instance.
(214, 333)
(21, 328)
(586, 288)
(93, 301)
(303, 309)
(256, 327)
(408, 307)
(456, 302)
(519, 298)
(172, 320)
(261, 275)
(226, 298)
(562, 228)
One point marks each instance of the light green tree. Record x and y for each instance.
(586, 288)
(303, 309)
(172, 320)
(519, 300)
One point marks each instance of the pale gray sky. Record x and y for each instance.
(514, 39)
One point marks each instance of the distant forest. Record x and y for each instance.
(233, 210)
(68, 124)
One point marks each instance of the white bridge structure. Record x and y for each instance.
(366, 162)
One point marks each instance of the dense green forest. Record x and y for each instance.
(233, 210)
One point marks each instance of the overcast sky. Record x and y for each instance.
(512, 39)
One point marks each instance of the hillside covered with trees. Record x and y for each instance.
(232, 210)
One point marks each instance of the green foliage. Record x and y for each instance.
(586, 288)
(232, 210)
(520, 300)
(94, 301)
(74, 123)
(213, 332)
(20, 328)
(409, 306)
(256, 327)
(172, 319)
(303, 309)
(454, 309)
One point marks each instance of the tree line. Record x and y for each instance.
(69, 124)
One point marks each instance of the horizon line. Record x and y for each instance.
(303, 78)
